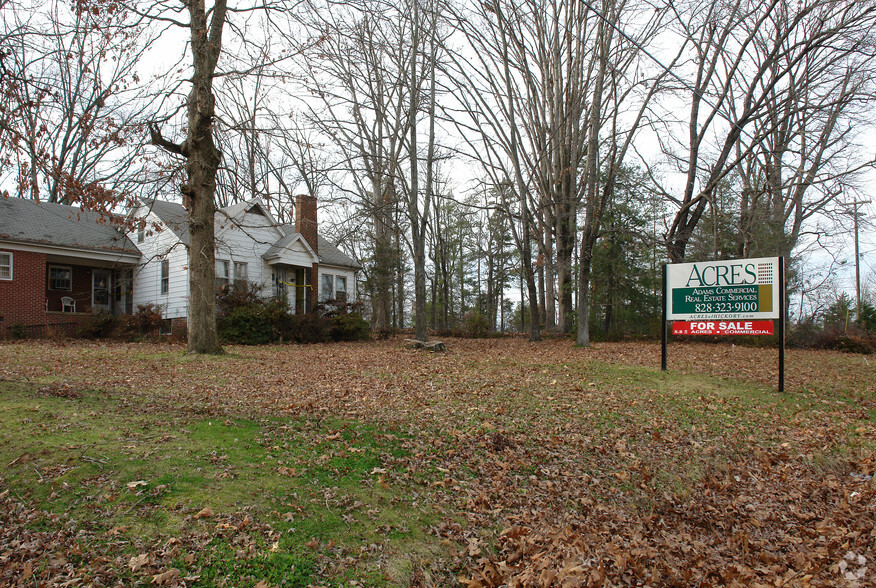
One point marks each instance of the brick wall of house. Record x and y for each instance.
(23, 299)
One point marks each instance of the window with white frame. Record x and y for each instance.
(60, 277)
(165, 277)
(222, 273)
(5, 265)
(341, 288)
(327, 288)
(141, 233)
(241, 274)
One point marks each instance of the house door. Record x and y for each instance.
(101, 287)
(281, 279)
(301, 290)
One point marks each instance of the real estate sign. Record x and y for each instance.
(738, 297)
(723, 291)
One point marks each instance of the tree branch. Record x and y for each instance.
(157, 139)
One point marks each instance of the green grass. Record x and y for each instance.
(96, 459)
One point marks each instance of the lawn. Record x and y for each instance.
(500, 462)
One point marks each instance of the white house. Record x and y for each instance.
(251, 246)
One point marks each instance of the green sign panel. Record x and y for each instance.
(733, 299)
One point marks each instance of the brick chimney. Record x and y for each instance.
(305, 223)
(305, 220)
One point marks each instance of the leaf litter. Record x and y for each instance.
(550, 465)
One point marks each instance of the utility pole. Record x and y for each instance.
(855, 205)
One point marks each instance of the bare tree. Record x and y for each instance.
(742, 55)
(807, 153)
(357, 77)
(550, 66)
(202, 160)
(73, 102)
(617, 81)
(492, 101)
(373, 77)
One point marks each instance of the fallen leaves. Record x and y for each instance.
(595, 477)
(138, 562)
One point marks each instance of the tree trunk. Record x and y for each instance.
(202, 165)
(381, 303)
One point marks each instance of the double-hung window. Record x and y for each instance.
(165, 277)
(326, 287)
(222, 273)
(5, 266)
(60, 277)
(241, 274)
(341, 288)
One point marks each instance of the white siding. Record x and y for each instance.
(147, 276)
(296, 254)
(246, 243)
(241, 241)
(352, 294)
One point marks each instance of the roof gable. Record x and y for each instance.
(235, 216)
(171, 215)
(289, 249)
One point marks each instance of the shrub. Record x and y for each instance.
(145, 322)
(256, 323)
(477, 324)
(347, 324)
(850, 340)
(18, 331)
(98, 326)
(231, 296)
(310, 327)
(247, 318)
(855, 343)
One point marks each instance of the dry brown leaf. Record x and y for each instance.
(166, 578)
(138, 562)
(204, 513)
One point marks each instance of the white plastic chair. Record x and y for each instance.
(68, 304)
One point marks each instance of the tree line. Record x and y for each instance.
(466, 153)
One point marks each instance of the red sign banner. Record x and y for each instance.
(722, 327)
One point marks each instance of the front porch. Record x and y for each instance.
(295, 284)
(74, 288)
(51, 296)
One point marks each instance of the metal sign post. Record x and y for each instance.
(663, 325)
(782, 324)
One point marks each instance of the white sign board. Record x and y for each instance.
(722, 290)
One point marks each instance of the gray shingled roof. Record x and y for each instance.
(331, 255)
(173, 215)
(27, 221)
